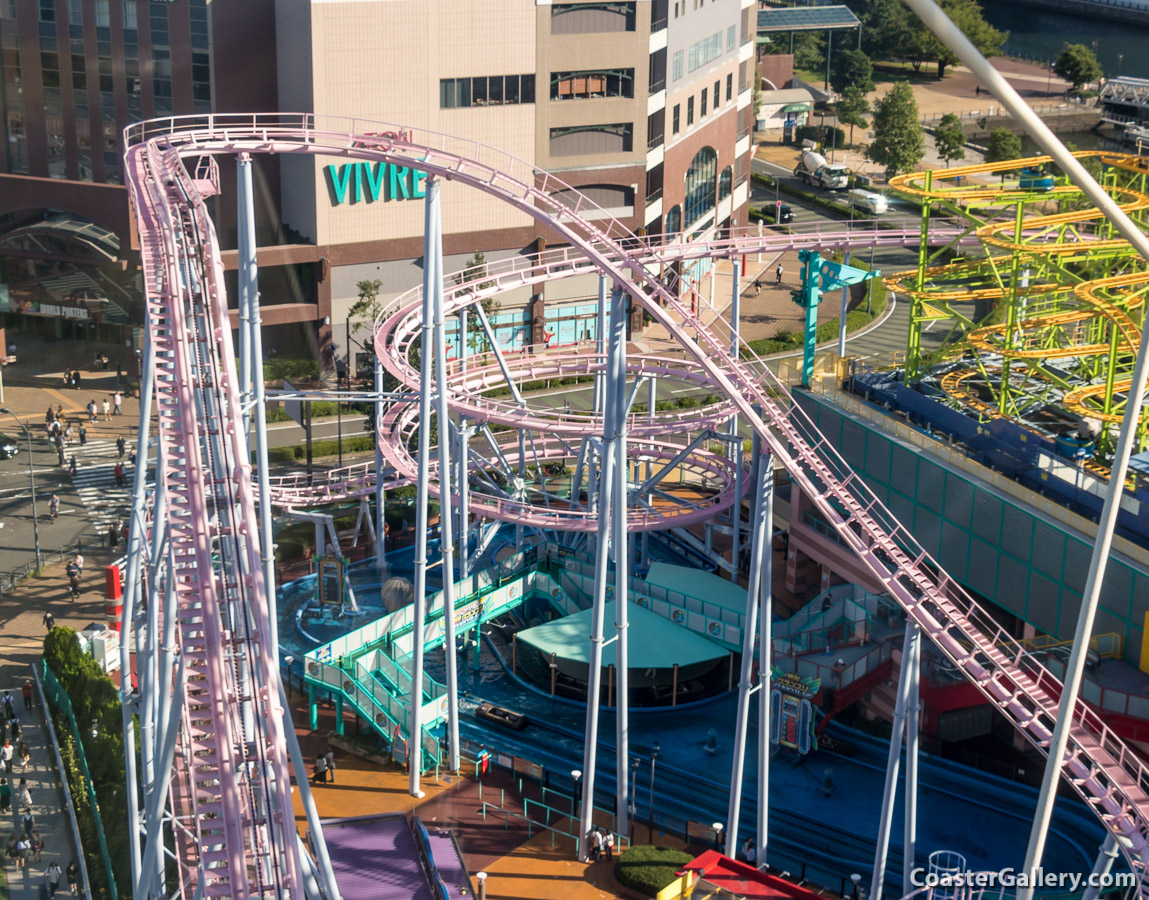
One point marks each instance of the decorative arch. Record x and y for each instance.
(724, 182)
(700, 185)
(674, 220)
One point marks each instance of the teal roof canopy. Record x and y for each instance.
(701, 585)
(807, 18)
(655, 642)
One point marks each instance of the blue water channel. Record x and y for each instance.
(979, 815)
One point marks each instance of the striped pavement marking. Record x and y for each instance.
(95, 482)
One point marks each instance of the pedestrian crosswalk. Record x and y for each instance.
(95, 482)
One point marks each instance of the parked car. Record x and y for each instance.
(9, 446)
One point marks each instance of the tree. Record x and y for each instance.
(809, 50)
(852, 67)
(1002, 145)
(949, 139)
(852, 107)
(1078, 65)
(363, 313)
(922, 45)
(884, 26)
(898, 137)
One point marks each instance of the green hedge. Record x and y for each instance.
(811, 196)
(649, 868)
(95, 704)
(355, 443)
(305, 367)
(319, 409)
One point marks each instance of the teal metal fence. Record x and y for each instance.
(60, 702)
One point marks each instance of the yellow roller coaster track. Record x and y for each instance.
(946, 185)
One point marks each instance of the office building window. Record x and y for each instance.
(717, 94)
(700, 184)
(730, 37)
(591, 84)
(591, 18)
(689, 111)
(674, 220)
(47, 11)
(675, 118)
(702, 106)
(724, 183)
(678, 65)
(493, 90)
(729, 86)
(582, 140)
(705, 51)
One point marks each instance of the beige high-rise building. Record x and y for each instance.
(642, 105)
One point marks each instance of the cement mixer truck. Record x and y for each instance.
(813, 169)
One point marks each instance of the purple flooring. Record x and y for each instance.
(448, 863)
(375, 858)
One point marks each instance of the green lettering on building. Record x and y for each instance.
(365, 182)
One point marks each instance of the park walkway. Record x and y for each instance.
(47, 806)
(21, 647)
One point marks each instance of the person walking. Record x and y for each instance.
(23, 754)
(28, 822)
(23, 851)
(92, 410)
(330, 758)
(5, 796)
(320, 775)
(113, 534)
(118, 472)
(68, 435)
(49, 416)
(60, 449)
(120, 446)
(107, 410)
(76, 379)
(23, 796)
(7, 754)
(37, 845)
(83, 435)
(49, 620)
(27, 692)
(608, 842)
(74, 587)
(757, 286)
(73, 876)
(72, 467)
(14, 725)
(778, 273)
(54, 506)
(117, 402)
(52, 876)
(9, 707)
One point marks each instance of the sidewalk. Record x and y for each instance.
(47, 807)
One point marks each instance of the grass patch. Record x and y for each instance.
(649, 868)
(891, 70)
(302, 367)
(356, 443)
(319, 409)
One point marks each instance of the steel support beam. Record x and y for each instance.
(618, 304)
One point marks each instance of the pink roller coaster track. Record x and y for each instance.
(212, 501)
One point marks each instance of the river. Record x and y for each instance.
(1041, 35)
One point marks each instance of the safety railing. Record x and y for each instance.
(60, 702)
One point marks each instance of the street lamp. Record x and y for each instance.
(482, 879)
(654, 751)
(856, 878)
(633, 794)
(576, 774)
(32, 479)
(718, 829)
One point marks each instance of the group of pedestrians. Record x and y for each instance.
(324, 768)
(601, 843)
(25, 843)
(74, 570)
